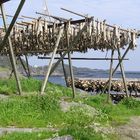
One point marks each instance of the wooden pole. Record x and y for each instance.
(120, 60)
(28, 67)
(65, 73)
(12, 71)
(69, 60)
(123, 74)
(55, 17)
(110, 76)
(75, 13)
(24, 67)
(71, 74)
(75, 41)
(10, 16)
(51, 61)
(11, 51)
(84, 16)
(82, 58)
(36, 19)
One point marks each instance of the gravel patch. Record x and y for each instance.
(63, 138)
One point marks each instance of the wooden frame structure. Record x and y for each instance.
(64, 37)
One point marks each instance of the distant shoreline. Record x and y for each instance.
(105, 79)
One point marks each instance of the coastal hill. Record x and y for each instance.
(5, 70)
(5, 65)
(59, 70)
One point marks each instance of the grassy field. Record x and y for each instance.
(3, 69)
(32, 110)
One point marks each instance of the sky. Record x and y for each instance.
(124, 13)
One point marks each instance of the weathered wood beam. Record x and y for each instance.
(28, 66)
(123, 73)
(10, 16)
(28, 17)
(69, 58)
(23, 65)
(65, 53)
(65, 73)
(12, 56)
(73, 22)
(55, 17)
(120, 61)
(110, 76)
(83, 58)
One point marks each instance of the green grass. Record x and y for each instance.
(87, 133)
(3, 69)
(8, 87)
(33, 110)
(28, 85)
(78, 134)
(27, 136)
(30, 111)
(110, 113)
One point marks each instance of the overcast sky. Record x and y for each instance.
(124, 13)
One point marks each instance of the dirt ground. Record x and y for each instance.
(130, 131)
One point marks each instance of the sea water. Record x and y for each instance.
(97, 74)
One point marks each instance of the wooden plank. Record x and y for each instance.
(83, 58)
(55, 17)
(75, 13)
(10, 16)
(73, 22)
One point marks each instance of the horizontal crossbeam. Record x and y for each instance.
(76, 58)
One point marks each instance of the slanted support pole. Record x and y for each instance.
(69, 59)
(65, 73)
(123, 74)
(62, 57)
(28, 68)
(110, 76)
(23, 65)
(12, 71)
(71, 74)
(51, 61)
(120, 60)
(13, 61)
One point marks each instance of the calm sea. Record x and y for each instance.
(95, 74)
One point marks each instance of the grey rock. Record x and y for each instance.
(63, 138)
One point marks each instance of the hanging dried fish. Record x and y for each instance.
(133, 36)
(40, 37)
